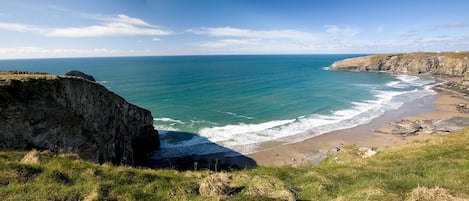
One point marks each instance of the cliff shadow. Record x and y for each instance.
(189, 151)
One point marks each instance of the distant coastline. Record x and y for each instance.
(455, 64)
(151, 87)
(447, 110)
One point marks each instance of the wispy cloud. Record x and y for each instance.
(236, 40)
(333, 39)
(452, 25)
(130, 20)
(259, 34)
(39, 52)
(341, 31)
(230, 42)
(18, 27)
(119, 25)
(409, 33)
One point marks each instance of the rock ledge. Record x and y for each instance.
(68, 114)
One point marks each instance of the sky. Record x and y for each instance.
(101, 28)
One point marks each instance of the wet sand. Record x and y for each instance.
(443, 105)
(375, 134)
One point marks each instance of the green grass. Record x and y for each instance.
(392, 174)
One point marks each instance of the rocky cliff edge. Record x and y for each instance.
(71, 114)
(445, 63)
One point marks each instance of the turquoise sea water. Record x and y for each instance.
(241, 101)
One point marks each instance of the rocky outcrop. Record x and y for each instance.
(69, 114)
(407, 127)
(446, 63)
(76, 73)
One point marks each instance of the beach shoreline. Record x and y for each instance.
(442, 105)
(376, 134)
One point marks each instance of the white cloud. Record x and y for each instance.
(122, 25)
(155, 39)
(408, 33)
(341, 31)
(129, 20)
(230, 42)
(260, 34)
(116, 26)
(38, 52)
(455, 25)
(234, 40)
(440, 43)
(338, 40)
(18, 27)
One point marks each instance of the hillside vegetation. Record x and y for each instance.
(454, 64)
(433, 169)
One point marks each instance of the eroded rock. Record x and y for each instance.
(405, 127)
(445, 63)
(76, 73)
(67, 114)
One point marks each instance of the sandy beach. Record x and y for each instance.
(443, 105)
(431, 114)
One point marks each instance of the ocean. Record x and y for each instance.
(233, 104)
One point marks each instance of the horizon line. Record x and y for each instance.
(221, 54)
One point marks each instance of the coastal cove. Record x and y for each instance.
(391, 145)
(412, 121)
(243, 102)
(234, 100)
(443, 105)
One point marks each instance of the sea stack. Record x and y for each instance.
(70, 114)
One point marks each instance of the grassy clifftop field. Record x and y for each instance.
(432, 169)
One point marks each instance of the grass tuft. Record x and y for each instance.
(426, 194)
(395, 173)
(216, 185)
(32, 157)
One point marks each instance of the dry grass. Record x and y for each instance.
(269, 187)
(32, 157)
(7, 76)
(372, 59)
(71, 156)
(432, 194)
(93, 196)
(217, 184)
(395, 173)
(15, 72)
(456, 55)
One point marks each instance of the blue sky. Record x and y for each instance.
(87, 28)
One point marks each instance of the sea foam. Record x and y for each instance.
(294, 130)
(286, 130)
(245, 138)
(165, 119)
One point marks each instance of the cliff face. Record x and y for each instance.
(71, 114)
(447, 63)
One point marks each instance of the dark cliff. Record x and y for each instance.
(71, 114)
(446, 63)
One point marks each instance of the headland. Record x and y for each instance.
(446, 111)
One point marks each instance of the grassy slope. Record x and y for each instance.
(390, 175)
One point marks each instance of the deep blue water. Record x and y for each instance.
(241, 101)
